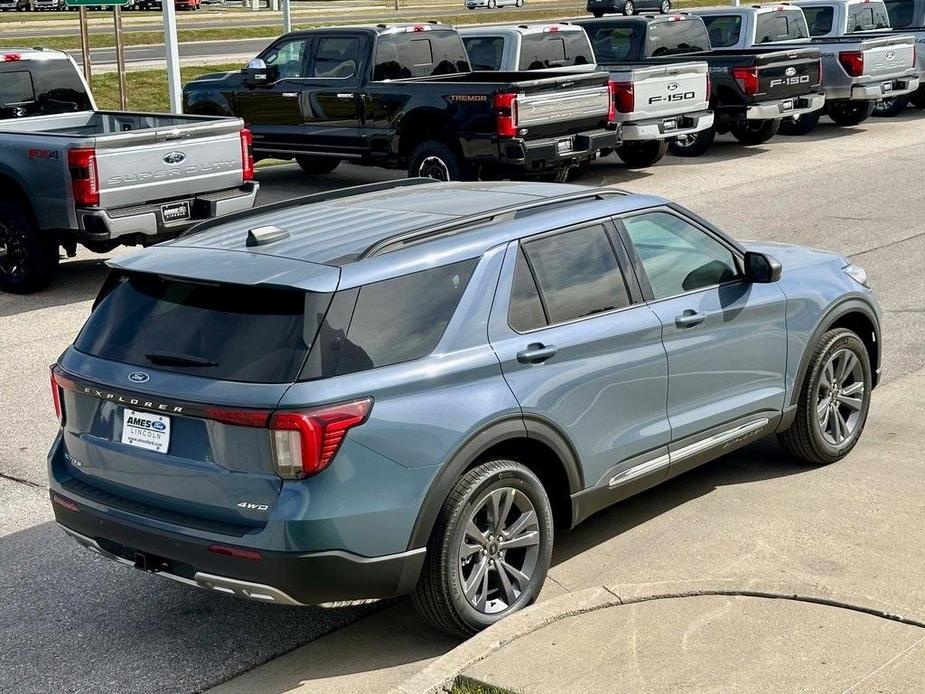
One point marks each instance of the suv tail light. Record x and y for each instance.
(506, 114)
(747, 77)
(305, 443)
(56, 396)
(853, 62)
(623, 98)
(81, 163)
(247, 154)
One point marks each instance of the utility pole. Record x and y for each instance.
(287, 17)
(85, 43)
(172, 51)
(120, 57)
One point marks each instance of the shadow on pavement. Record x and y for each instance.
(77, 280)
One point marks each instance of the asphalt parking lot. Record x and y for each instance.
(70, 621)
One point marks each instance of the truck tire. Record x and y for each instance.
(555, 175)
(598, 14)
(317, 165)
(434, 159)
(629, 8)
(470, 579)
(28, 256)
(801, 125)
(887, 108)
(848, 113)
(639, 155)
(755, 132)
(841, 391)
(692, 145)
(917, 98)
(577, 172)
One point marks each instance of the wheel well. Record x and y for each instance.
(861, 325)
(12, 191)
(545, 464)
(418, 129)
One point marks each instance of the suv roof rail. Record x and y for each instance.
(323, 196)
(500, 214)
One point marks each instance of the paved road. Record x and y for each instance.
(80, 623)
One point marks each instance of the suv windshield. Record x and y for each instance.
(227, 332)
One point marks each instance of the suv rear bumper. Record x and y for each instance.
(147, 220)
(556, 152)
(785, 108)
(287, 578)
(654, 128)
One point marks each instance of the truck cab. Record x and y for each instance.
(744, 27)
(830, 18)
(549, 47)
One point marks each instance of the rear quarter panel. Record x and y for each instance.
(38, 165)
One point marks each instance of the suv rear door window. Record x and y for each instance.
(677, 37)
(780, 25)
(227, 332)
(577, 274)
(724, 29)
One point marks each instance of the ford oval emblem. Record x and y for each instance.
(672, 86)
(138, 377)
(790, 71)
(174, 158)
(158, 426)
(890, 55)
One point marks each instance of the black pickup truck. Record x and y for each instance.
(752, 89)
(404, 96)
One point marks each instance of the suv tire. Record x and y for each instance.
(317, 165)
(847, 113)
(802, 125)
(434, 159)
(502, 578)
(692, 145)
(638, 155)
(755, 132)
(838, 372)
(30, 258)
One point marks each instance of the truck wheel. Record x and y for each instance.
(489, 550)
(917, 98)
(834, 400)
(887, 108)
(433, 159)
(577, 172)
(28, 257)
(597, 14)
(665, 7)
(847, 113)
(801, 125)
(629, 8)
(317, 165)
(692, 144)
(638, 155)
(755, 132)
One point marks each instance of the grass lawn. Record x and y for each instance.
(147, 89)
(464, 686)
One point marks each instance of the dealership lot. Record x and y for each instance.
(854, 190)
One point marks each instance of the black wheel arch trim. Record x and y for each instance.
(505, 428)
(832, 314)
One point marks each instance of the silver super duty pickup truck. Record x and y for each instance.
(70, 174)
(654, 103)
(907, 17)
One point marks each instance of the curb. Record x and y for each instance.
(438, 677)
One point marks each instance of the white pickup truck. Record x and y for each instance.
(70, 174)
(859, 68)
(654, 103)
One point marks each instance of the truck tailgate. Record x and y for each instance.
(168, 163)
(661, 91)
(782, 74)
(887, 58)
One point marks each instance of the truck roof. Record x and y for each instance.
(639, 18)
(522, 29)
(12, 55)
(733, 9)
(379, 29)
(816, 3)
(338, 229)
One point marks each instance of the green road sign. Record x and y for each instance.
(95, 3)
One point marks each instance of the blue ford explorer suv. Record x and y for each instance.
(408, 387)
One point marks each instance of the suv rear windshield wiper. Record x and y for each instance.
(178, 359)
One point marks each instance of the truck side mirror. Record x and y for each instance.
(761, 268)
(256, 73)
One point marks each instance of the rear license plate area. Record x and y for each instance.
(564, 147)
(175, 212)
(146, 430)
(787, 105)
(886, 87)
(669, 124)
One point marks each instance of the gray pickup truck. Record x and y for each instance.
(70, 174)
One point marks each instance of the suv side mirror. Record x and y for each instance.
(256, 73)
(761, 268)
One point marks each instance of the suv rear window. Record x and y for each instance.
(780, 25)
(226, 332)
(677, 37)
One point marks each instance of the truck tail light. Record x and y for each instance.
(852, 62)
(747, 77)
(56, 396)
(247, 154)
(506, 114)
(305, 443)
(623, 98)
(819, 68)
(81, 162)
(709, 88)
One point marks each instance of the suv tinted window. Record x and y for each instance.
(526, 310)
(577, 274)
(553, 49)
(677, 256)
(819, 20)
(419, 54)
(16, 88)
(403, 318)
(723, 30)
(901, 12)
(677, 37)
(227, 332)
(783, 25)
(867, 16)
(614, 44)
(336, 57)
(30, 89)
(485, 52)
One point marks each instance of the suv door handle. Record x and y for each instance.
(689, 318)
(536, 353)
